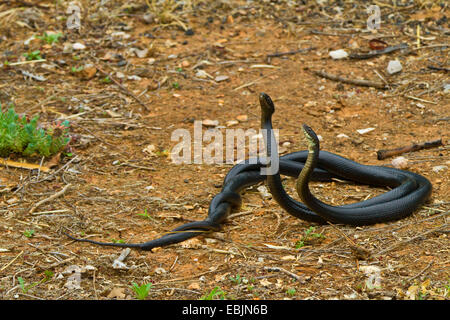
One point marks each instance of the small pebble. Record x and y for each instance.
(394, 66)
(400, 162)
(338, 54)
(231, 123)
(264, 192)
(210, 123)
(189, 32)
(242, 118)
(439, 168)
(342, 136)
(446, 87)
(148, 18)
(78, 46)
(366, 130)
(221, 78)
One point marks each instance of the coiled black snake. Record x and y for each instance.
(410, 190)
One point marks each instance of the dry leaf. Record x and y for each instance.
(23, 165)
(221, 277)
(88, 72)
(191, 244)
(54, 161)
(117, 293)
(194, 286)
(265, 282)
(377, 44)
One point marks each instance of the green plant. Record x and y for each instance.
(175, 85)
(75, 69)
(28, 233)
(146, 215)
(447, 289)
(23, 136)
(47, 276)
(237, 279)
(215, 293)
(117, 241)
(141, 291)
(50, 38)
(106, 79)
(22, 284)
(34, 55)
(308, 236)
(291, 292)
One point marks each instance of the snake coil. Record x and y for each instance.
(409, 190)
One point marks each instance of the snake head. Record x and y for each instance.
(311, 137)
(266, 103)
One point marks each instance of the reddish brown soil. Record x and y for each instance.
(111, 173)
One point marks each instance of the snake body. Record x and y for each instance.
(409, 191)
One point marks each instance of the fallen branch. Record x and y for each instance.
(375, 53)
(357, 82)
(397, 244)
(288, 53)
(12, 261)
(53, 196)
(383, 154)
(291, 274)
(438, 68)
(23, 165)
(26, 4)
(248, 84)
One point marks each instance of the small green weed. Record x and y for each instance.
(146, 215)
(34, 55)
(236, 279)
(106, 79)
(215, 293)
(141, 291)
(50, 38)
(291, 292)
(28, 233)
(19, 135)
(76, 69)
(47, 276)
(308, 237)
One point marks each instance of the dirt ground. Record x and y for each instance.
(140, 74)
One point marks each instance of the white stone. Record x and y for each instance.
(394, 66)
(338, 54)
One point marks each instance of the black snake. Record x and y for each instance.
(409, 190)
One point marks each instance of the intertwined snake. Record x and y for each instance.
(409, 190)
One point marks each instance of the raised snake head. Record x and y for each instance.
(267, 106)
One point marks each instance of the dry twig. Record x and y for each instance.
(357, 82)
(397, 244)
(383, 154)
(279, 269)
(52, 197)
